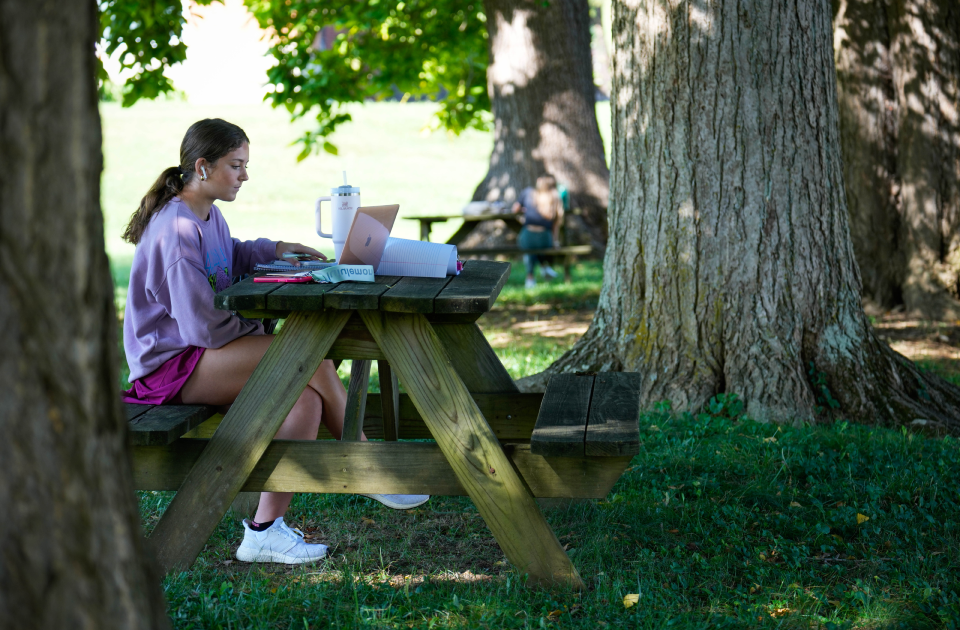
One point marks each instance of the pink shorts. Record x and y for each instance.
(163, 384)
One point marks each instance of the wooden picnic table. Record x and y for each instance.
(470, 222)
(422, 331)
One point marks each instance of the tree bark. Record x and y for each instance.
(729, 266)
(72, 553)
(540, 81)
(898, 80)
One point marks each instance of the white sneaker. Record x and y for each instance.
(277, 543)
(530, 283)
(548, 272)
(399, 501)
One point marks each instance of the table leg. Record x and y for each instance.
(416, 353)
(389, 401)
(474, 360)
(425, 230)
(462, 232)
(356, 400)
(243, 436)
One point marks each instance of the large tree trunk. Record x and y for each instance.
(540, 80)
(72, 553)
(729, 266)
(898, 75)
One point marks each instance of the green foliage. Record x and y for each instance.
(726, 405)
(825, 400)
(419, 48)
(148, 33)
(716, 523)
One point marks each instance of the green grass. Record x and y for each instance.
(718, 522)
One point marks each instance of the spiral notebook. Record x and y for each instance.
(282, 265)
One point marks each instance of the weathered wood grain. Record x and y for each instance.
(613, 428)
(475, 289)
(132, 410)
(356, 401)
(299, 297)
(355, 342)
(371, 467)
(162, 424)
(562, 422)
(245, 295)
(359, 295)
(242, 437)
(474, 360)
(470, 447)
(389, 401)
(511, 416)
(413, 295)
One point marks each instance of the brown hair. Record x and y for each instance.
(546, 198)
(211, 139)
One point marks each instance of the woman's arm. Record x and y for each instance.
(557, 223)
(188, 298)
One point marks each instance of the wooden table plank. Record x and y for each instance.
(413, 295)
(613, 428)
(165, 423)
(511, 416)
(245, 295)
(132, 410)
(475, 289)
(377, 467)
(359, 295)
(471, 448)
(562, 423)
(243, 436)
(299, 297)
(356, 401)
(474, 360)
(389, 401)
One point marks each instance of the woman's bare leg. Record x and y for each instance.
(220, 375)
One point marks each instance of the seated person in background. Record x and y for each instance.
(183, 350)
(543, 215)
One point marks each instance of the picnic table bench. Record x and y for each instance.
(490, 442)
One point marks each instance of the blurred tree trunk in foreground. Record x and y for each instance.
(540, 81)
(729, 267)
(898, 79)
(72, 554)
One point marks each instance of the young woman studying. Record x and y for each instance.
(183, 350)
(542, 217)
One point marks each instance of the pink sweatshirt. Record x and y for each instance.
(179, 264)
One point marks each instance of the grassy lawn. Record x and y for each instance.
(718, 522)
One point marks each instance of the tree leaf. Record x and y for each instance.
(862, 518)
(631, 600)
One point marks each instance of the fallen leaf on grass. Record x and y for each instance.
(795, 504)
(770, 439)
(780, 612)
(554, 615)
(673, 531)
(862, 518)
(368, 521)
(631, 600)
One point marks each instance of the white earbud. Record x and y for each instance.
(204, 171)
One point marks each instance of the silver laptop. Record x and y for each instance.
(368, 235)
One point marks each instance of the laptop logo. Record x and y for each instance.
(367, 244)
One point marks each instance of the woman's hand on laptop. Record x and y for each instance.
(294, 252)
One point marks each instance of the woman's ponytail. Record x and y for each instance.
(167, 186)
(210, 139)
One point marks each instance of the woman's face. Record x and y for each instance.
(225, 178)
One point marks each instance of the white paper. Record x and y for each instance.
(403, 257)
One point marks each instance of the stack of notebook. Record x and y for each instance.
(282, 265)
